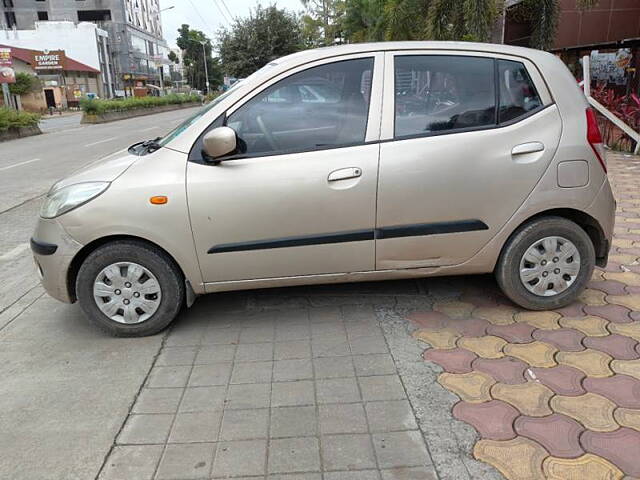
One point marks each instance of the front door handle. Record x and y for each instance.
(344, 174)
(532, 147)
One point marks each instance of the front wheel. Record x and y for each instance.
(546, 264)
(130, 288)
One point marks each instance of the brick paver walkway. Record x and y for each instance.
(273, 392)
(334, 382)
(552, 394)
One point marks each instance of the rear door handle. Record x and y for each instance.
(344, 174)
(532, 147)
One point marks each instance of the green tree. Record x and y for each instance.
(322, 23)
(252, 42)
(193, 58)
(25, 83)
(364, 21)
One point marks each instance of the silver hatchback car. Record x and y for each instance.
(353, 163)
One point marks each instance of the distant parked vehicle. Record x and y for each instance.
(352, 163)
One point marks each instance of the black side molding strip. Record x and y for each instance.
(43, 248)
(423, 229)
(303, 240)
(354, 236)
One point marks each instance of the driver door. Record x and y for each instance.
(299, 196)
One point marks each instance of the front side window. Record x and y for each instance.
(518, 95)
(441, 93)
(324, 106)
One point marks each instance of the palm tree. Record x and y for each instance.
(470, 20)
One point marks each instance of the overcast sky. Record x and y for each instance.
(206, 16)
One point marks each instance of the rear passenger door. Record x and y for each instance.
(465, 138)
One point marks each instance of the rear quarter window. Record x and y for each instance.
(518, 94)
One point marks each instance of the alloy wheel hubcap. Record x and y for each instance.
(127, 292)
(550, 266)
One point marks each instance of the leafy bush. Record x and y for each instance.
(626, 108)
(25, 83)
(14, 119)
(98, 107)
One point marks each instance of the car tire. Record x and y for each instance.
(156, 265)
(514, 272)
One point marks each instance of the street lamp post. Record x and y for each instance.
(206, 68)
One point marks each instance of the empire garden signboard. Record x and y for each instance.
(49, 60)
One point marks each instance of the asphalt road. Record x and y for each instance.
(64, 386)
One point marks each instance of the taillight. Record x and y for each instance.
(594, 137)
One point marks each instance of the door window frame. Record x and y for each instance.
(373, 127)
(387, 132)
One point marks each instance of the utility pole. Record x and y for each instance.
(206, 68)
(7, 96)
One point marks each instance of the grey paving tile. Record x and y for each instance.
(295, 476)
(245, 424)
(192, 461)
(333, 367)
(293, 422)
(285, 333)
(414, 473)
(328, 329)
(170, 356)
(184, 337)
(335, 346)
(221, 336)
(292, 393)
(374, 364)
(337, 390)
(132, 461)
(342, 418)
(145, 429)
(301, 454)
(158, 400)
(353, 313)
(347, 452)
(252, 372)
(254, 352)
(390, 416)
(400, 449)
(256, 395)
(196, 427)
(245, 457)
(353, 475)
(210, 375)
(163, 377)
(324, 314)
(363, 329)
(202, 399)
(292, 350)
(257, 334)
(384, 387)
(367, 345)
(215, 354)
(289, 370)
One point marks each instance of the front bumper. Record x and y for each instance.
(53, 251)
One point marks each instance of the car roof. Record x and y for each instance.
(355, 48)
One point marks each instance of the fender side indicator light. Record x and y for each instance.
(159, 200)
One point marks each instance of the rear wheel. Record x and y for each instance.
(546, 264)
(130, 288)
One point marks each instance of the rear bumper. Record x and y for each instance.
(53, 251)
(603, 210)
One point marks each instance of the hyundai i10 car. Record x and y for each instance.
(351, 163)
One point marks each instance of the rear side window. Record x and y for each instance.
(518, 94)
(442, 93)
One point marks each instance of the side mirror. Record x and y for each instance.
(219, 142)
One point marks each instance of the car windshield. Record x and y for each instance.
(176, 132)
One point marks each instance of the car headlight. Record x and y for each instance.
(67, 198)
